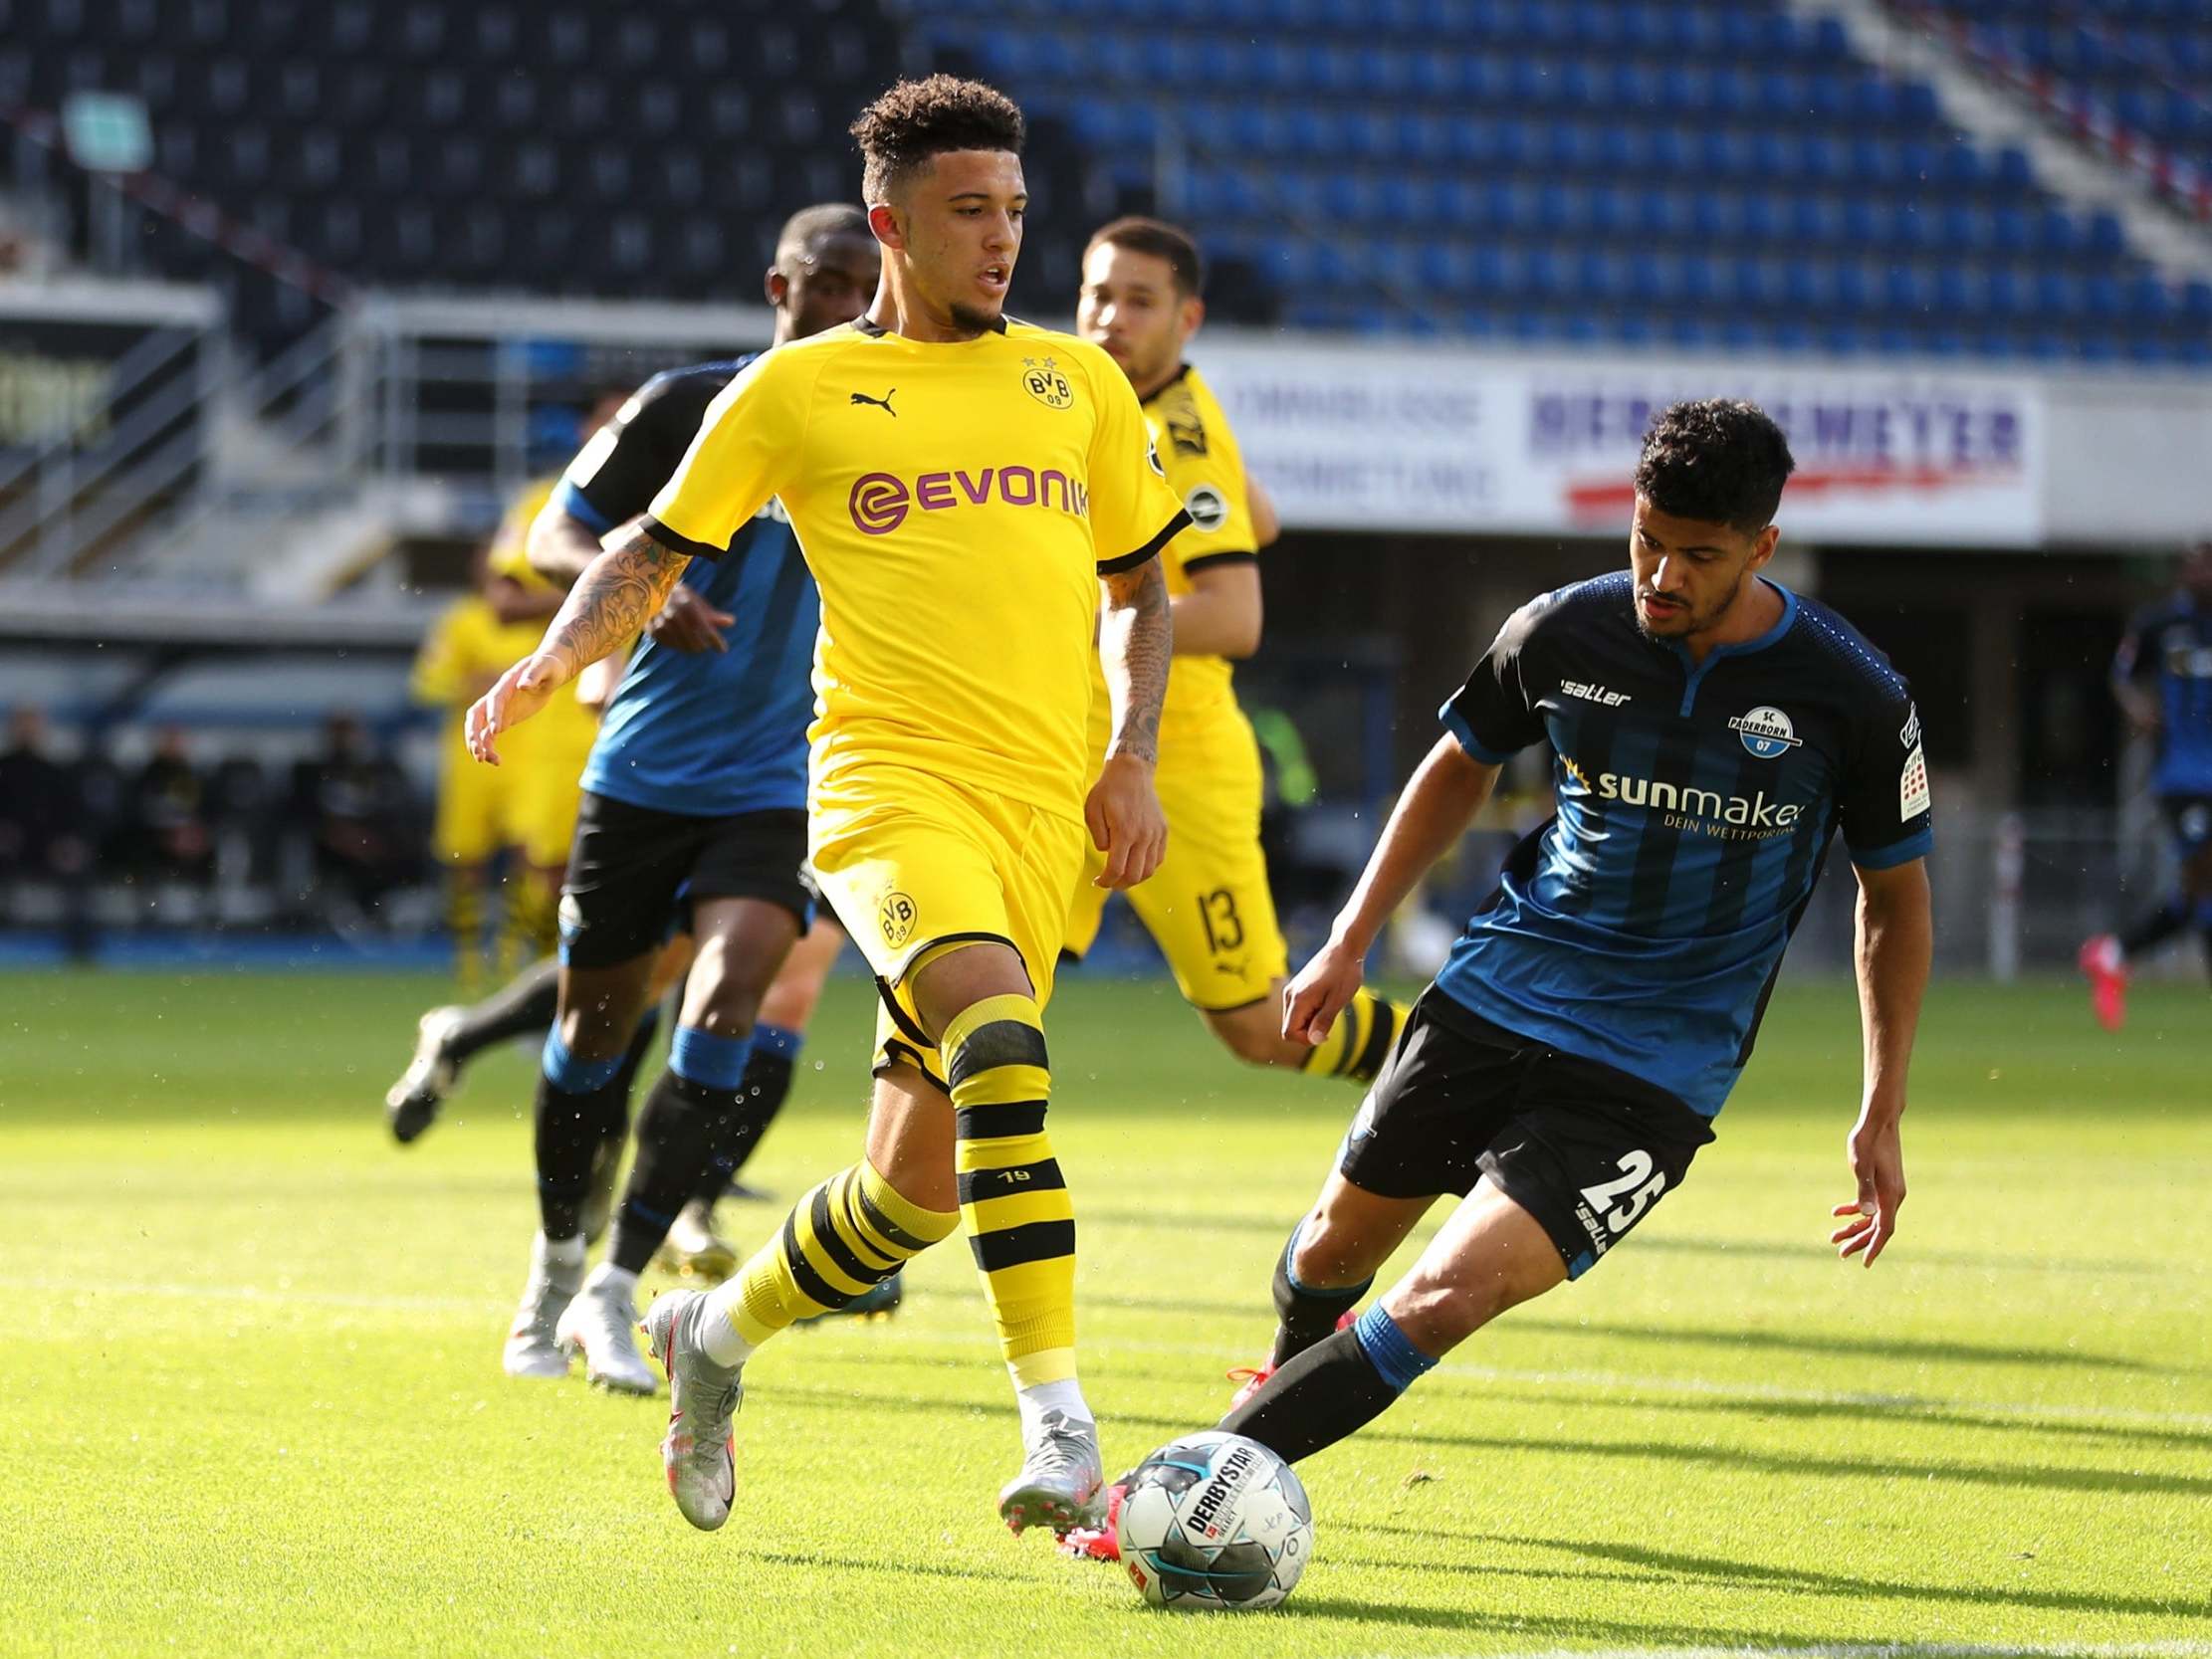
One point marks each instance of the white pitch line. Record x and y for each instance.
(1619, 1383)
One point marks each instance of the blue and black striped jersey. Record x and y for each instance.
(713, 733)
(1643, 925)
(2170, 647)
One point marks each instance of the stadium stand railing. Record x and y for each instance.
(2133, 82)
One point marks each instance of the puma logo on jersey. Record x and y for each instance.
(883, 402)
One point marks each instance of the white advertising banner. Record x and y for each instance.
(1396, 436)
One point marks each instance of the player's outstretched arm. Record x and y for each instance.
(1136, 639)
(1895, 942)
(611, 600)
(1447, 790)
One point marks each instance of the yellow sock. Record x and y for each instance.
(851, 1233)
(1360, 1041)
(530, 928)
(1013, 1200)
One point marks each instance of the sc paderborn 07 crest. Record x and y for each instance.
(1042, 379)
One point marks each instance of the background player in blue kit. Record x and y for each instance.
(1710, 732)
(2162, 679)
(695, 792)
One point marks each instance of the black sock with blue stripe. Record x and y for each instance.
(1306, 1313)
(761, 1095)
(580, 1103)
(676, 1138)
(1334, 1388)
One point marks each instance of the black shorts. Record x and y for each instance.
(2189, 817)
(1584, 1148)
(634, 871)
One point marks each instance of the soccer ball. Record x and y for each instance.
(1215, 1519)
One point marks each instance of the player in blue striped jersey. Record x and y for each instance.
(694, 805)
(1710, 732)
(2162, 679)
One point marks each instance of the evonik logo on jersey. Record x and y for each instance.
(880, 501)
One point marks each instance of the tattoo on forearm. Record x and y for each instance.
(1142, 633)
(613, 598)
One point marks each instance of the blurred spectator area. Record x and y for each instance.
(1723, 174)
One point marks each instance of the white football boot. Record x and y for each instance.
(532, 1349)
(693, 1249)
(597, 1325)
(1061, 1479)
(411, 1105)
(702, 1398)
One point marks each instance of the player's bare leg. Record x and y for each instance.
(1354, 1051)
(1492, 1255)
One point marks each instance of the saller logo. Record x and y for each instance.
(1766, 733)
(880, 501)
(1592, 693)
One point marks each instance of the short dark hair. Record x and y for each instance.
(916, 119)
(1161, 240)
(1720, 460)
(809, 227)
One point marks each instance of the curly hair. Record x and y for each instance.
(916, 119)
(1720, 460)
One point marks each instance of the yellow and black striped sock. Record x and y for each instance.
(1361, 1040)
(1013, 1199)
(851, 1233)
(464, 921)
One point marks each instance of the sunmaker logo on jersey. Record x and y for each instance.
(1753, 817)
(880, 501)
(1766, 733)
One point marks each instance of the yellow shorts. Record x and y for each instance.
(549, 763)
(1207, 906)
(911, 863)
(480, 808)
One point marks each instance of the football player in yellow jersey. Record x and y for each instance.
(1207, 904)
(960, 484)
(551, 755)
(480, 812)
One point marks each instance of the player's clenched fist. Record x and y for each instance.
(1312, 1001)
(1126, 823)
(514, 696)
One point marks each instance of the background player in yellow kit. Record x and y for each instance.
(1207, 906)
(480, 811)
(550, 756)
(960, 484)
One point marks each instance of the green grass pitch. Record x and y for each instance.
(251, 1400)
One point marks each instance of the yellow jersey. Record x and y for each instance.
(1206, 472)
(956, 501)
(562, 732)
(466, 649)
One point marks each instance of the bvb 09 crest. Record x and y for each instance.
(1042, 379)
(895, 912)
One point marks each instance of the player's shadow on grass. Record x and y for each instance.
(1903, 1413)
(1677, 1567)
(1497, 1614)
(2056, 1478)
(1852, 1344)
